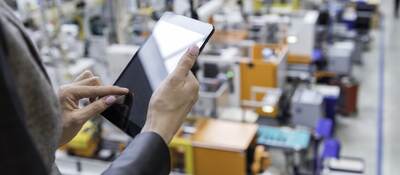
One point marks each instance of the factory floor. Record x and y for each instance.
(391, 157)
(359, 134)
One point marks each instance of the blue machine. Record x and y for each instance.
(286, 138)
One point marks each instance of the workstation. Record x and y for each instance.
(280, 81)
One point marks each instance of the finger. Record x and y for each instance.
(92, 81)
(95, 108)
(87, 78)
(186, 63)
(80, 92)
(86, 74)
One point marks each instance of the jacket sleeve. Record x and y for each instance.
(146, 154)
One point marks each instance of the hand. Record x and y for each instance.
(85, 86)
(174, 99)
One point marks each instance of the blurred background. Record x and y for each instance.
(288, 87)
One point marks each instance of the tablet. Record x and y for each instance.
(171, 37)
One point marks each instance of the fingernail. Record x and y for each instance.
(110, 100)
(87, 71)
(194, 50)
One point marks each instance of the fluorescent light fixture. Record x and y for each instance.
(268, 109)
(292, 39)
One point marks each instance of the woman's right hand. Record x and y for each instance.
(85, 86)
(174, 99)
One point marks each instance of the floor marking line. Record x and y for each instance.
(381, 99)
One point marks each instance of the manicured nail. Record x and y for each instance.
(194, 50)
(110, 100)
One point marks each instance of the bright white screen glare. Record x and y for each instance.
(173, 41)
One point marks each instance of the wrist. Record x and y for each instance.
(148, 127)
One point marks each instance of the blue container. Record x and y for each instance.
(330, 106)
(331, 149)
(324, 128)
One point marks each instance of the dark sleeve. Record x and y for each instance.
(146, 154)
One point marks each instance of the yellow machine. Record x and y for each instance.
(86, 142)
(260, 72)
(181, 148)
(278, 4)
(293, 4)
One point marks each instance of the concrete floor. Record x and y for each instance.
(359, 133)
(392, 93)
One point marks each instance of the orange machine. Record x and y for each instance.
(219, 147)
(263, 72)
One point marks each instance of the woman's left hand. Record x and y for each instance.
(84, 86)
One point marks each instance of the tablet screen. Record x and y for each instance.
(148, 68)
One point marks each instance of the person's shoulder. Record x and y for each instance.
(4, 8)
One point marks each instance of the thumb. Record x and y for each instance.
(96, 108)
(186, 63)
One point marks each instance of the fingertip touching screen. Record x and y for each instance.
(152, 63)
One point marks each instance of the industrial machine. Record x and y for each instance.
(271, 29)
(301, 37)
(208, 147)
(86, 142)
(269, 105)
(284, 138)
(266, 69)
(331, 95)
(340, 56)
(307, 107)
(212, 97)
(118, 55)
(261, 6)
